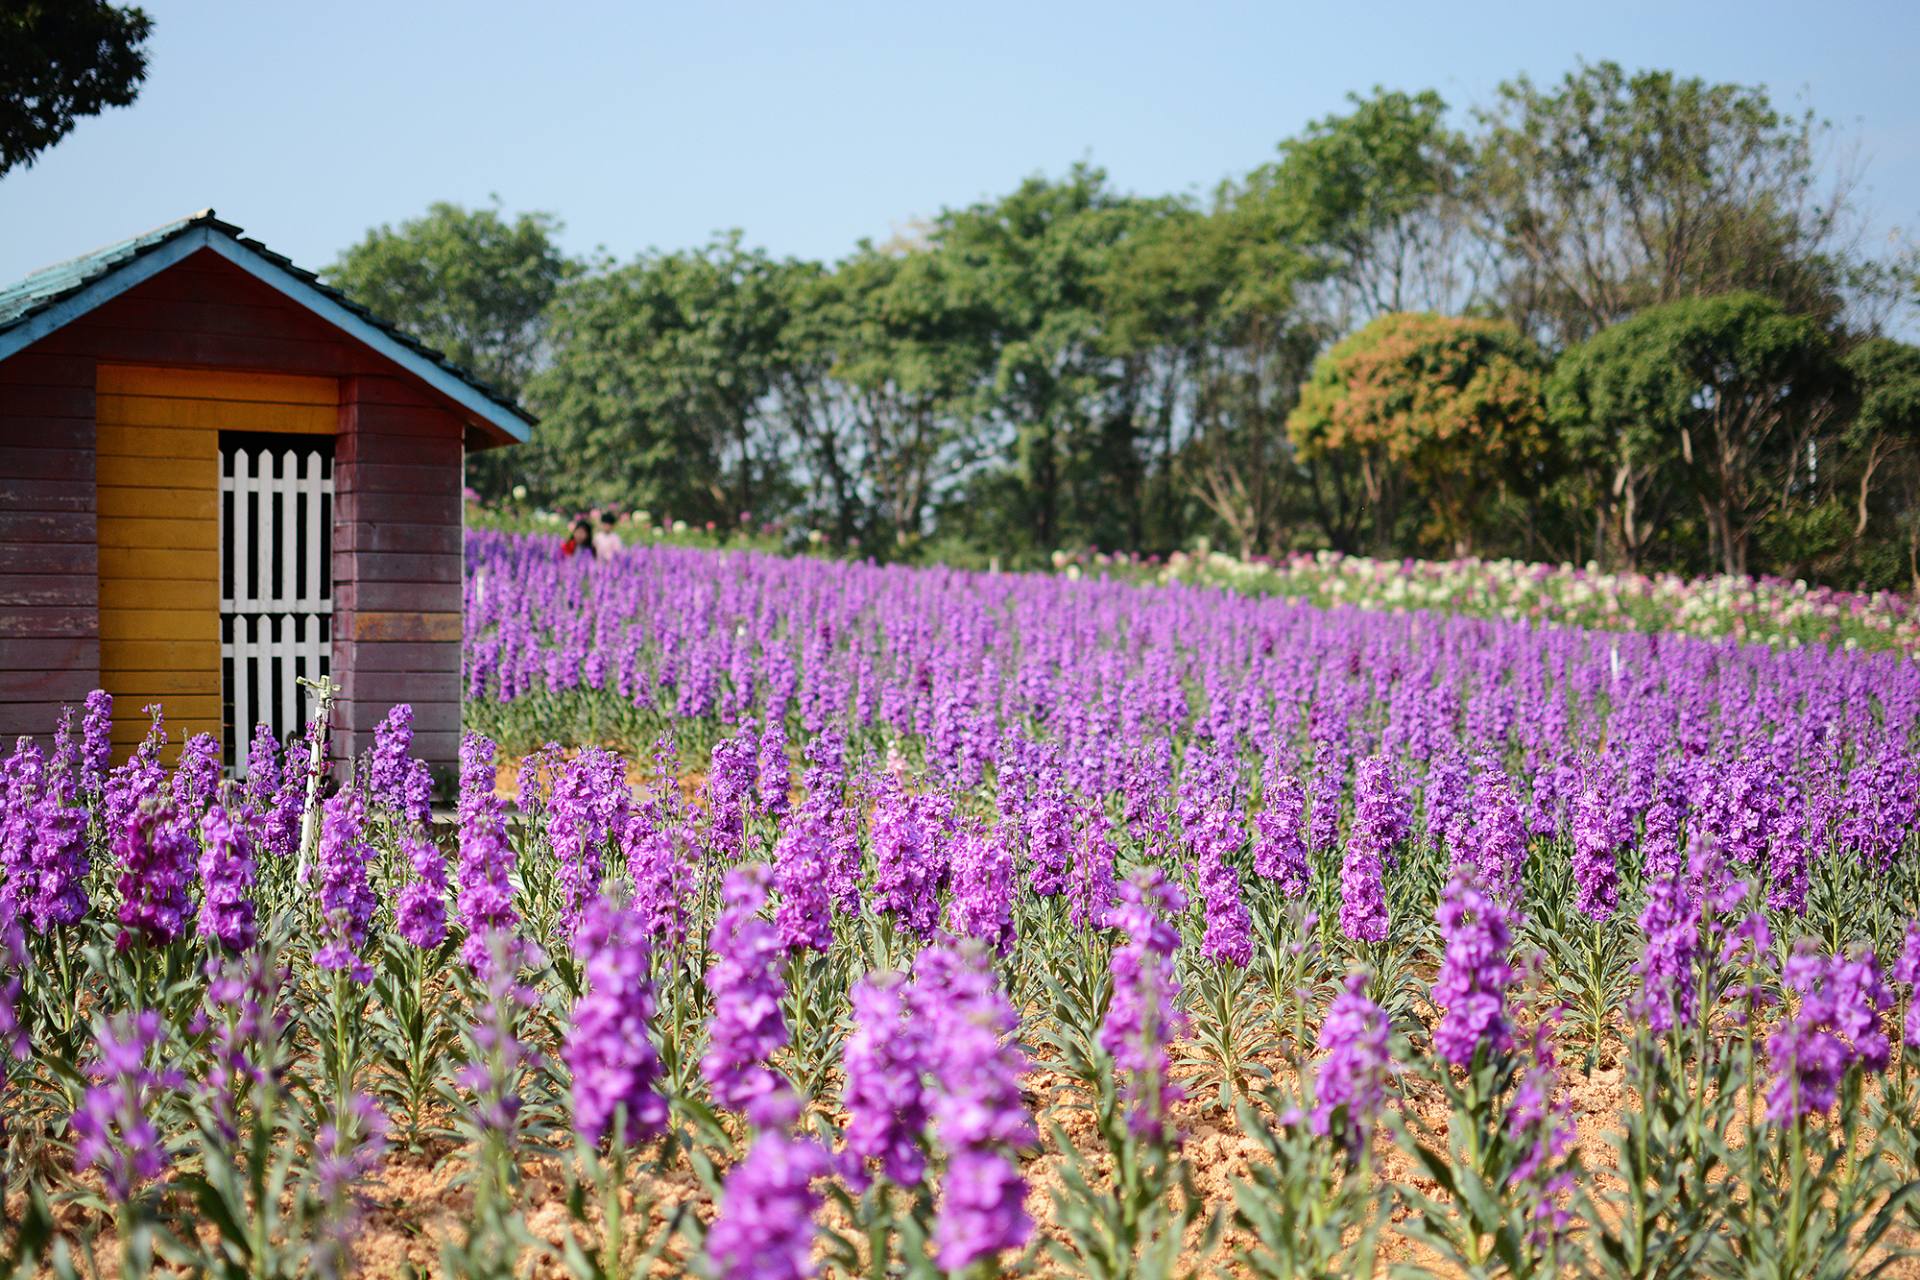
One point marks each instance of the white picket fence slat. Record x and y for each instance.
(265, 544)
(269, 653)
(275, 614)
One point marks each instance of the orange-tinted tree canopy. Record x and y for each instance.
(1451, 406)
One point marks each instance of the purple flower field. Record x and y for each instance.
(870, 921)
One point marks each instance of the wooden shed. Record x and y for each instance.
(218, 474)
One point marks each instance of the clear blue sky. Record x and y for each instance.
(812, 125)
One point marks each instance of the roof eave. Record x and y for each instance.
(485, 411)
(491, 417)
(138, 269)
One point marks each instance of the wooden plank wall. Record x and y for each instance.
(397, 562)
(158, 472)
(49, 613)
(397, 480)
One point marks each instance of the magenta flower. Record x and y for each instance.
(978, 1113)
(1350, 1093)
(226, 880)
(764, 1228)
(886, 1058)
(114, 1133)
(1143, 1018)
(1476, 929)
(155, 852)
(616, 1070)
(747, 1026)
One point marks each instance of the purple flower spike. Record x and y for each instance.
(1380, 821)
(1671, 922)
(196, 779)
(226, 879)
(1477, 930)
(588, 807)
(1351, 1092)
(909, 858)
(662, 880)
(1229, 935)
(113, 1130)
(420, 915)
(155, 852)
(486, 863)
(345, 897)
(1280, 842)
(96, 742)
(981, 904)
(764, 1229)
(1596, 842)
(1834, 1026)
(801, 861)
(1906, 971)
(1542, 1125)
(616, 1070)
(60, 861)
(1143, 1019)
(978, 1113)
(886, 1099)
(747, 1026)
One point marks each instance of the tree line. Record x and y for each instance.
(1629, 317)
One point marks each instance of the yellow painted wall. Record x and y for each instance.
(158, 475)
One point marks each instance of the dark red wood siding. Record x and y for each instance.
(397, 517)
(49, 597)
(397, 563)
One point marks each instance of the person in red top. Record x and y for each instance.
(579, 538)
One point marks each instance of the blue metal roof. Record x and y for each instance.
(52, 296)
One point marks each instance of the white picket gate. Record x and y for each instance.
(276, 603)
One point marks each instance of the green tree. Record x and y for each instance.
(1158, 293)
(474, 286)
(1880, 442)
(660, 390)
(1715, 400)
(1611, 192)
(913, 351)
(61, 62)
(467, 282)
(1035, 257)
(811, 407)
(1442, 407)
(1202, 313)
(1359, 217)
(1372, 197)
